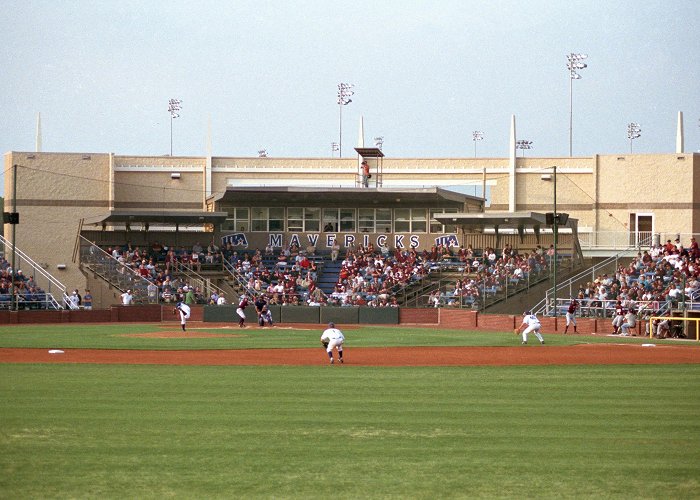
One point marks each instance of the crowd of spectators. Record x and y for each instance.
(372, 276)
(488, 273)
(27, 293)
(159, 266)
(656, 280)
(369, 276)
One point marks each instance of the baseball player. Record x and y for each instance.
(531, 324)
(333, 338)
(571, 315)
(619, 317)
(265, 316)
(184, 311)
(242, 304)
(260, 303)
(630, 322)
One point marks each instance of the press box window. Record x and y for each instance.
(237, 220)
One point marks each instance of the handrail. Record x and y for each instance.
(36, 268)
(121, 276)
(205, 283)
(544, 306)
(41, 301)
(607, 308)
(236, 275)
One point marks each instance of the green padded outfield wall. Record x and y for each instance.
(303, 314)
(379, 316)
(299, 314)
(227, 314)
(222, 314)
(343, 315)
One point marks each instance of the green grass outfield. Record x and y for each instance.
(119, 431)
(119, 336)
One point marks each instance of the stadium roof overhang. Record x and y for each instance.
(348, 197)
(495, 220)
(472, 222)
(185, 218)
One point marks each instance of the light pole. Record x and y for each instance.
(344, 93)
(379, 142)
(634, 131)
(14, 221)
(555, 231)
(523, 144)
(477, 136)
(174, 105)
(574, 64)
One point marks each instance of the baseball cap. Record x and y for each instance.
(331, 325)
(526, 313)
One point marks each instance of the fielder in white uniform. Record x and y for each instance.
(532, 325)
(333, 338)
(184, 311)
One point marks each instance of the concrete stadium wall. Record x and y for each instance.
(117, 314)
(457, 319)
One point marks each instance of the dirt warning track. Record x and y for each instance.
(583, 354)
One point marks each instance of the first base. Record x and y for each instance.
(55, 351)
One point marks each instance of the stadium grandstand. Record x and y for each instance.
(491, 234)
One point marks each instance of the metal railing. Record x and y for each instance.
(200, 282)
(484, 294)
(241, 282)
(546, 306)
(118, 275)
(47, 282)
(623, 240)
(593, 308)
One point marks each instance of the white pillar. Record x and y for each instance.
(361, 133)
(207, 166)
(511, 167)
(680, 146)
(360, 144)
(111, 181)
(38, 133)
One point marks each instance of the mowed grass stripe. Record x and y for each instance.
(134, 336)
(314, 432)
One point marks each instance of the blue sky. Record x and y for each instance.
(426, 74)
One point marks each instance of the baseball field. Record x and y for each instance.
(147, 411)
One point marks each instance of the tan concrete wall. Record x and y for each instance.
(658, 184)
(54, 191)
(696, 194)
(158, 191)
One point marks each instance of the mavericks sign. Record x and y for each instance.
(400, 241)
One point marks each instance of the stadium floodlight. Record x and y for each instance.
(174, 106)
(345, 92)
(574, 64)
(477, 136)
(634, 131)
(523, 145)
(334, 148)
(379, 142)
(262, 153)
